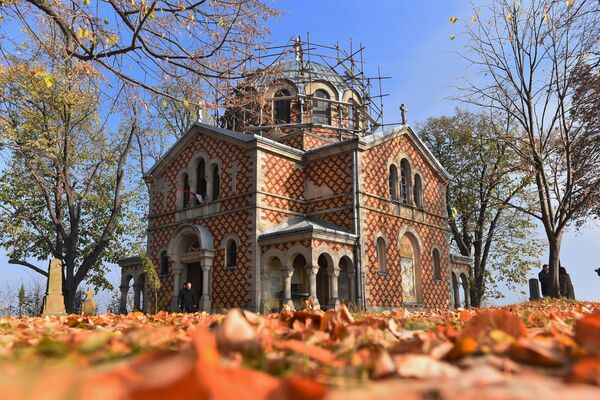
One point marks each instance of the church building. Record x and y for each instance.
(299, 194)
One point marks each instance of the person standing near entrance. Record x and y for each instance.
(186, 301)
(543, 277)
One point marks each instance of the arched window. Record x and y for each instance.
(164, 263)
(321, 108)
(186, 190)
(393, 182)
(418, 191)
(353, 115)
(282, 108)
(405, 183)
(231, 254)
(437, 268)
(407, 265)
(201, 181)
(381, 256)
(216, 182)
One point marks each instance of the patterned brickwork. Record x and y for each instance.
(295, 140)
(374, 168)
(229, 155)
(333, 172)
(231, 287)
(386, 290)
(311, 141)
(281, 176)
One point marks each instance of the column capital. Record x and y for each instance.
(312, 269)
(333, 271)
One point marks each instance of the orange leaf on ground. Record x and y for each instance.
(490, 320)
(538, 352)
(586, 371)
(587, 333)
(315, 352)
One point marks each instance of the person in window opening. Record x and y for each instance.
(543, 277)
(186, 301)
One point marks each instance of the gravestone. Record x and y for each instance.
(534, 289)
(54, 302)
(89, 305)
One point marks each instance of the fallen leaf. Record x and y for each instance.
(586, 370)
(424, 367)
(587, 333)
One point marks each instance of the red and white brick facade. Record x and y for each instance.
(303, 213)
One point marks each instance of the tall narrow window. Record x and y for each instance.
(405, 181)
(418, 191)
(437, 269)
(282, 107)
(186, 190)
(200, 181)
(216, 182)
(231, 254)
(353, 115)
(321, 108)
(381, 256)
(164, 263)
(407, 264)
(393, 182)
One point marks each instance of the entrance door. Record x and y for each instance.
(323, 287)
(194, 275)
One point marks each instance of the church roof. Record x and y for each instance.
(300, 73)
(307, 224)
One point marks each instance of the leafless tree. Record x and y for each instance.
(525, 55)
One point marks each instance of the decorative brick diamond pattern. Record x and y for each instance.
(334, 172)
(386, 290)
(282, 177)
(283, 182)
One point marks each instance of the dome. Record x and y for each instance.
(300, 73)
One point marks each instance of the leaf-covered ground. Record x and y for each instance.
(538, 350)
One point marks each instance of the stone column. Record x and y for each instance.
(137, 291)
(177, 284)
(264, 292)
(334, 302)
(123, 300)
(205, 299)
(312, 285)
(287, 286)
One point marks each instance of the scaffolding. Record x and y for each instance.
(246, 107)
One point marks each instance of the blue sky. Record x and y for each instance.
(410, 41)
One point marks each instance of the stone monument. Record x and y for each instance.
(89, 305)
(54, 302)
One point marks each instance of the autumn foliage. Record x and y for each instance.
(550, 347)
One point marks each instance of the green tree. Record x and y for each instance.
(21, 298)
(152, 278)
(485, 177)
(525, 58)
(63, 191)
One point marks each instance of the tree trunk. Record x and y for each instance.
(554, 263)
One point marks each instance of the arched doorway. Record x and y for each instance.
(325, 263)
(275, 283)
(408, 266)
(346, 280)
(465, 285)
(299, 282)
(126, 300)
(191, 249)
(139, 293)
(455, 291)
